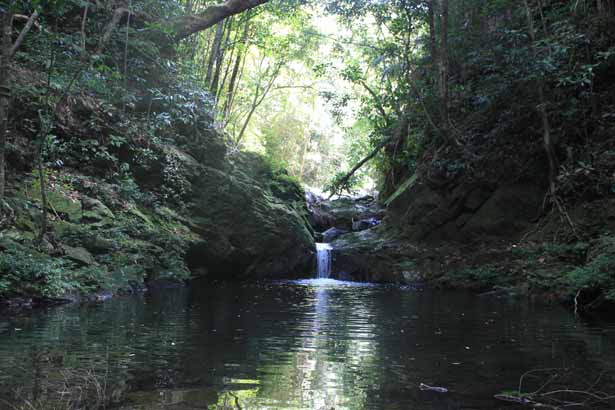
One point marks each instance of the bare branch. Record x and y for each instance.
(358, 166)
(24, 32)
(187, 25)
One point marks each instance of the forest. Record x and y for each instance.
(197, 178)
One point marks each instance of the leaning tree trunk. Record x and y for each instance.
(433, 45)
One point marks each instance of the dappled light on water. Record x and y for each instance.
(307, 344)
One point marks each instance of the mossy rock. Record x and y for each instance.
(263, 235)
(95, 212)
(79, 255)
(67, 208)
(82, 236)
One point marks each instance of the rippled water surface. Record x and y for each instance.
(318, 344)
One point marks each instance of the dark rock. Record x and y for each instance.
(364, 224)
(463, 212)
(331, 234)
(98, 297)
(160, 284)
(342, 213)
(254, 223)
(369, 256)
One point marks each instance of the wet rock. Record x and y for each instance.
(343, 212)
(331, 234)
(499, 292)
(369, 256)
(18, 303)
(160, 284)
(364, 224)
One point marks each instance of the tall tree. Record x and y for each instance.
(8, 49)
(444, 71)
(542, 106)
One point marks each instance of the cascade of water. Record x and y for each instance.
(323, 257)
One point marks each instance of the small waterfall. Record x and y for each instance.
(323, 260)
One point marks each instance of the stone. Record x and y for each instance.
(253, 222)
(94, 211)
(79, 255)
(331, 234)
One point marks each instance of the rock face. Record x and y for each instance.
(369, 256)
(348, 214)
(253, 222)
(432, 212)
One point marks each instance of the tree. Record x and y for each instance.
(8, 51)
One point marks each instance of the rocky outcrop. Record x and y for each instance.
(346, 213)
(371, 256)
(253, 223)
(425, 211)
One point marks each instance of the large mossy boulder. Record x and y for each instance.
(253, 222)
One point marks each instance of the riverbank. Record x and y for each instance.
(554, 260)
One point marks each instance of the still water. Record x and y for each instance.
(316, 344)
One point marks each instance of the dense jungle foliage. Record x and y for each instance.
(109, 108)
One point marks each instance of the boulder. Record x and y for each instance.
(363, 224)
(253, 221)
(94, 211)
(79, 255)
(342, 212)
(464, 211)
(331, 234)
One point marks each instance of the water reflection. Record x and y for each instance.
(317, 344)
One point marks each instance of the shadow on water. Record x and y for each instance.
(313, 344)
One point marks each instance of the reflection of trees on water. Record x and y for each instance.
(290, 347)
(332, 366)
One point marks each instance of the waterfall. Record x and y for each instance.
(323, 260)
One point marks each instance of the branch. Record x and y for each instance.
(349, 175)
(187, 25)
(24, 32)
(115, 20)
(377, 100)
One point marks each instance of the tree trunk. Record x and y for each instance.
(228, 102)
(433, 45)
(259, 97)
(229, 65)
(344, 180)
(215, 50)
(220, 57)
(7, 23)
(547, 139)
(444, 63)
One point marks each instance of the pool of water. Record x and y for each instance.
(315, 344)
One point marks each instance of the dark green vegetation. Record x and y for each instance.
(495, 122)
(132, 126)
(116, 176)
